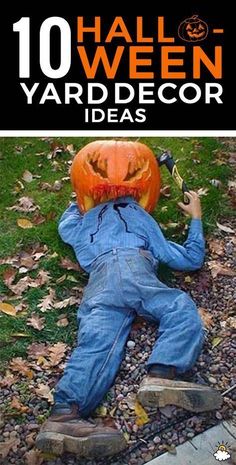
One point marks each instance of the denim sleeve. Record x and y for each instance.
(186, 257)
(70, 223)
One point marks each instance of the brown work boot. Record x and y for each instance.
(65, 431)
(160, 392)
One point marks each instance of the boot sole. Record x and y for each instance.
(90, 446)
(191, 399)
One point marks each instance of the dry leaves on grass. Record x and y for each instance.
(62, 322)
(44, 391)
(24, 204)
(9, 444)
(29, 177)
(47, 303)
(26, 258)
(165, 191)
(67, 302)
(24, 223)
(218, 269)
(67, 264)
(55, 187)
(9, 276)
(8, 309)
(37, 349)
(57, 353)
(202, 191)
(46, 355)
(36, 322)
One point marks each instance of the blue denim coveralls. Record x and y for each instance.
(120, 245)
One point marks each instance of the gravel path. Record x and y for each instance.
(167, 427)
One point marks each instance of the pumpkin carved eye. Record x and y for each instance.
(98, 169)
(135, 173)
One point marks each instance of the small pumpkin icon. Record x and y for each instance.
(193, 29)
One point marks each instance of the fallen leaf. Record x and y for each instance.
(67, 302)
(9, 276)
(43, 277)
(232, 158)
(172, 225)
(112, 412)
(44, 391)
(20, 365)
(23, 284)
(216, 341)
(225, 228)
(24, 204)
(38, 219)
(69, 265)
(20, 335)
(130, 400)
(202, 191)
(33, 456)
(165, 191)
(32, 255)
(30, 440)
(15, 403)
(218, 269)
(57, 353)
(216, 247)
(8, 309)
(36, 322)
(27, 176)
(231, 322)
(206, 317)
(70, 149)
(126, 436)
(8, 380)
(142, 416)
(47, 302)
(38, 349)
(187, 279)
(24, 223)
(171, 449)
(101, 411)
(9, 444)
(61, 279)
(62, 322)
(164, 209)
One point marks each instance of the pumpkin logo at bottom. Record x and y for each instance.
(193, 29)
(108, 169)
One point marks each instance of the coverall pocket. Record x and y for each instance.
(97, 282)
(142, 270)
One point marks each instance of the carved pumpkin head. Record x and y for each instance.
(108, 169)
(193, 29)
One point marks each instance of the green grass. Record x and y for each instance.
(33, 157)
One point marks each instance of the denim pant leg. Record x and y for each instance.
(180, 334)
(92, 368)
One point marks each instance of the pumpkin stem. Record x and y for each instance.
(194, 17)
